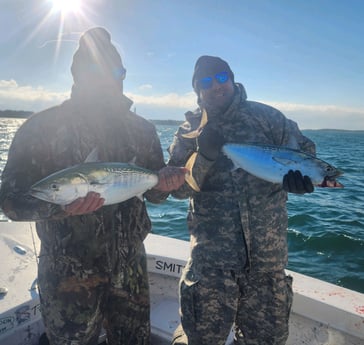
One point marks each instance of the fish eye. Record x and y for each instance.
(54, 186)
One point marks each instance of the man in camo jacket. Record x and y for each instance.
(237, 222)
(92, 263)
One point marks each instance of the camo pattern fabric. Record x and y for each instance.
(238, 224)
(92, 268)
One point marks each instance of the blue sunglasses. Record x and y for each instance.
(118, 73)
(206, 83)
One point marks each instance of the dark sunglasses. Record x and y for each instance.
(206, 83)
(119, 73)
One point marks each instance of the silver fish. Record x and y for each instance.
(115, 182)
(271, 163)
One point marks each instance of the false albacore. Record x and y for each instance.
(115, 182)
(271, 163)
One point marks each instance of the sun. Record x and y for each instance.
(66, 6)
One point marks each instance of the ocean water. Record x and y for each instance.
(326, 228)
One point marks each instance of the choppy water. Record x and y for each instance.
(326, 228)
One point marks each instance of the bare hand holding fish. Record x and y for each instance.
(88, 204)
(171, 178)
(86, 187)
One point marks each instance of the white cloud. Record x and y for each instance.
(322, 116)
(145, 87)
(315, 108)
(16, 97)
(171, 55)
(170, 100)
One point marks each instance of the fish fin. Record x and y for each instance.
(189, 178)
(293, 144)
(283, 161)
(96, 183)
(234, 166)
(140, 197)
(133, 160)
(197, 131)
(93, 156)
(191, 135)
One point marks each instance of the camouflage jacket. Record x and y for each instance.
(236, 219)
(63, 136)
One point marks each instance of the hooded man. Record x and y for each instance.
(92, 264)
(237, 222)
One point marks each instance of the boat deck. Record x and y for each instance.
(322, 313)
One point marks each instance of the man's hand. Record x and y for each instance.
(294, 182)
(90, 203)
(171, 178)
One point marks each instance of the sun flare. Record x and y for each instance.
(66, 6)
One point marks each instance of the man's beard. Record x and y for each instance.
(217, 106)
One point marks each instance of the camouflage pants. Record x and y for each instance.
(75, 303)
(213, 300)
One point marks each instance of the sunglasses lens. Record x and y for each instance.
(205, 83)
(119, 73)
(222, 77)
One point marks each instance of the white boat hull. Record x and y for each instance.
(322, 313)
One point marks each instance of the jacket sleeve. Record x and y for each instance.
(284, 132)
(22, 169)
(295, 139)
(156, 162)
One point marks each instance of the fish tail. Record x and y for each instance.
(191, 161)
(197, 131)
(189, 177)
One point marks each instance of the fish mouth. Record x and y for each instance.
(37, 193)
(34, 191)
(40, 194)
(330, 181)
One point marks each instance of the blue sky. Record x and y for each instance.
(304, 57)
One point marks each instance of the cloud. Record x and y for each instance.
(16, 97)
(145, 87)
(171, 100)
(171, 55)
(315, 108)
(322, 116)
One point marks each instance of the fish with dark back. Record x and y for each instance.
(115, 182)
(270, 162)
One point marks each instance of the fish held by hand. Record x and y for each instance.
(271, 163)
(114, 182)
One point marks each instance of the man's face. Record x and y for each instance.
(100, 79)
(216, 91)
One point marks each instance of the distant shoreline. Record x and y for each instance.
(167, 122)
(333, 130)
(21, 114)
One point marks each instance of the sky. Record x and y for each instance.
(304, 57)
